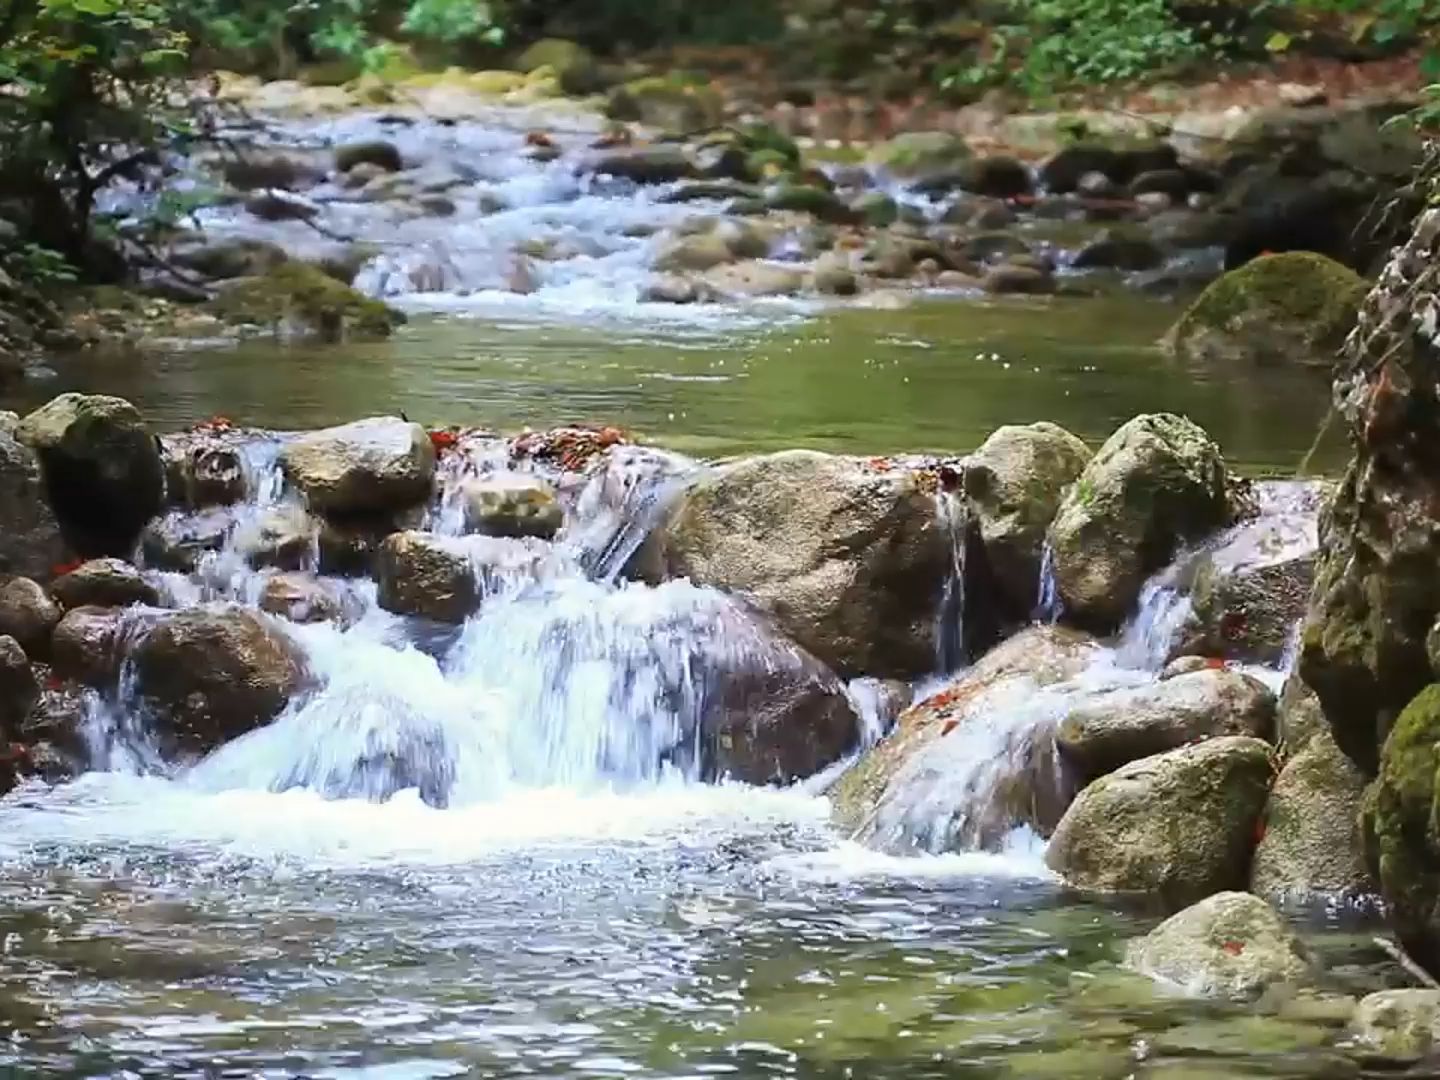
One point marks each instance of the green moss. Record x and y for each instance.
(920, 152)
(804, 199)
(671, 103)
(305, 297)
(1401, 815)
(1271, 306)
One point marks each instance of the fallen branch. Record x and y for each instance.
(1401, 957)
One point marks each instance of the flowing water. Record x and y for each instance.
(494, 852)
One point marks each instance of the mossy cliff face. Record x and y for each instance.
(1377, 589)
(1289, 308)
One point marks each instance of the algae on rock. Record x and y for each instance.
(297, 299)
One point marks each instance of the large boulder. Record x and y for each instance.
(209, 675)
(1156, 484)
(88, 646)
(28, 615)
(1295, 307)
(379, 465)
(1249, 613)
(917, 155)
(30, 543)
(973, 761)
(102, 468)
(850, 560)
(1013, 485)
(430, 576)
(1398, 1026)
(103, 583)
(1175, 828)
(1114, 728)
(1377, 593)
(1311, 842)
(668, 104)
(19, 689)
(300, 300)
(1230, 945)
(1402, 827)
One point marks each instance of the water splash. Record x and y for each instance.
(953, 519)
(1048, 606)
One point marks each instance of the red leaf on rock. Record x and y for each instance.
(61, 569)
(443, 440)
(1234, 948)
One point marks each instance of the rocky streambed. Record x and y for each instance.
(405, 656)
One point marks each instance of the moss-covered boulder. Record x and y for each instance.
(31, 542)
(1310, 842)
(669, 104)
(919, 154)
(1402, 826)
(1120, 726)
(1013, 485)
(849, 559)
(1398, 1026)
(1157, 483)
(938, 782)
(1174, 828)
(1295, 307)
(570, 62)
(816, 201)
(299, 300)
(1231, 945)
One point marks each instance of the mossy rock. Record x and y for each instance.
(917, 154)
(571, 63)
(670, 104)
(1296, 307)
(1402, 827)
(817, 202)
(305, 300)
(767, 164)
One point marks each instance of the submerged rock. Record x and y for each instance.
(514, 505)
(967, 765)
(1230, 945)
(850, 560)
(1296, 307)
(102, 469)
(1399, 1026)
(1121, 726)
(377, 152)
(1014, 484)
(28, 615)
(378, 465)
(103, 583)
(1175, 828)
(211, 674)
(300, 597)
(1311, 841)
(1157, 483)
(30, 542)
(426, 575)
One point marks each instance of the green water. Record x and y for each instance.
(938, 376)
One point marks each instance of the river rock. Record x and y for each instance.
(281, 206)
(1295, 307)
(645, 164)
(426, 575)
(103, 583)
(923, 786)
(30, 542)
(1399, 1026)
(87, 646)
(28, 615)
(667, 104)
(1117, 249)
(1063, 171)
(19, 689)
(379, 465)
(101, 466)
(283, 538)
(1311, 843)
(203, 470)
(511, 504)
(918, 154)
(301, 598)
(1156, 484)
(748, 280)
(209, 675)
(850, 560)
(809, 199)
(573, 64)
(1120, 726)
(178, 541)
(832, 275)
(694, 253)
(1013, 485)
(1231, 945)
(1247, 614)
(1013, 278)
(377, 152)
(1175, 828)
(227, 258)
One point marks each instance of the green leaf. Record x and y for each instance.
(1278, 42)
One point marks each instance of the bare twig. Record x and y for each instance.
(1401, 957)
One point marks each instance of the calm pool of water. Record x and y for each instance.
(936, 376)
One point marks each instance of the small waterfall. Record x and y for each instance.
(1162, 611)
(950, 648)
(1048, 605)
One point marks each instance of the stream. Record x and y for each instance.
(543, 886)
